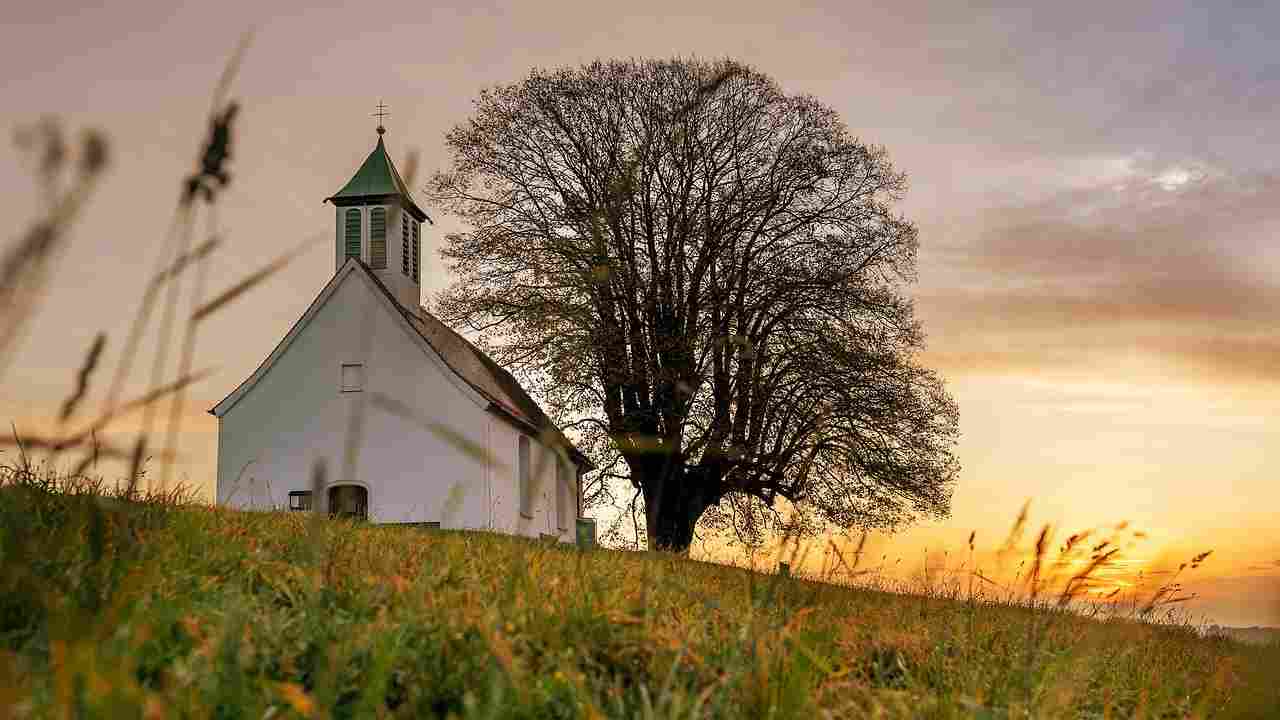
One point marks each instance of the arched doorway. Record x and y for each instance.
(349, 501)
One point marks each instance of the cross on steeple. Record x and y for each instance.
(381, 114)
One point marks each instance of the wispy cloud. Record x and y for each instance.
(1162, 260)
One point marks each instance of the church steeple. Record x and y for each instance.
(379, 223)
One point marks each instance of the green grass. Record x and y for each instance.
(151, 609)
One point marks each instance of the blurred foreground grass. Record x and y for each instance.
(150, 608)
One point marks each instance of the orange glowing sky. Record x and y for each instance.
(1098, 209)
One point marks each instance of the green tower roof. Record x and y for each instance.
(377, 180)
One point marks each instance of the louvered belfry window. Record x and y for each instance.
(378, 238)
(404, 250)
(352, 233)
(415, 253)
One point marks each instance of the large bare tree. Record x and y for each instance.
(705, 275)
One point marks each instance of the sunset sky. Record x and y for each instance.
(1097, 189)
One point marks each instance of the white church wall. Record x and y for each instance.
(505, 494)
(307, 407)
(296, 413)
(544, 492)
(505, 484)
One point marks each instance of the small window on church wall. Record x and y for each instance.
(404, 241)
(352, 377)
(299, 500)
(415, 275)
(526, 482)
(352, 233)
(378, 238)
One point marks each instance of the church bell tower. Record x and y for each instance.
(379, 224)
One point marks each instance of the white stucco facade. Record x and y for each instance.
(386, 398)
(293, 413)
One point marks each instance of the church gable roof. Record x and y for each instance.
(481, 372)
(489, 382)
(377, 179)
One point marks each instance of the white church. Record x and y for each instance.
(412, 422)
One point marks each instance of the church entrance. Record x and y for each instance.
(349, 501)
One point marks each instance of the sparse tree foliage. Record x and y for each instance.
(705, 274)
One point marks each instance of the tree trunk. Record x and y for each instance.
(673, 506)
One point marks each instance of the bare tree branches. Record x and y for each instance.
(711, 270)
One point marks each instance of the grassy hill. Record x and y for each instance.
(148, 609)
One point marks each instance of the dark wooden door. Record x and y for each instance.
(349, 501)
